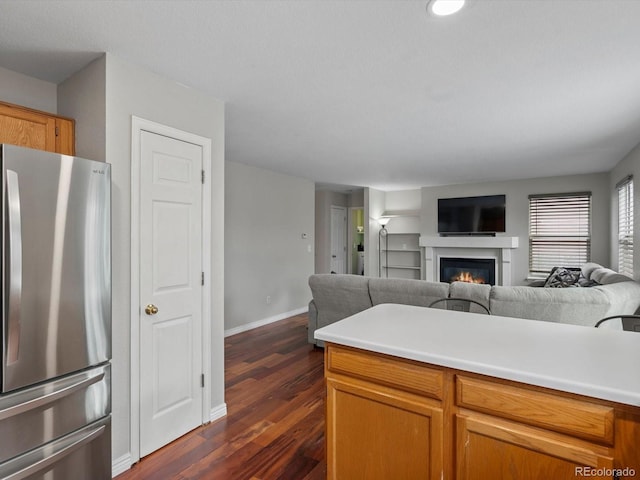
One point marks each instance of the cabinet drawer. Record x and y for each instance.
(386, 370)
(579, 418)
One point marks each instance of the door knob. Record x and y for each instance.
(151, 309)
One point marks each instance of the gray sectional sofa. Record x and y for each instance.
(338, 296)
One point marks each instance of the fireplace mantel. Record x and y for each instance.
(496, 247)
(469, 241)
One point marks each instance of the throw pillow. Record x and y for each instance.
(561, 277)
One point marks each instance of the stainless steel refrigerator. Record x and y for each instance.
(55, 401)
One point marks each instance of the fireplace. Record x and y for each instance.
(500, 249)
(473, 270)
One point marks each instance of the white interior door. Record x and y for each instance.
(171, 393)
(338, 239)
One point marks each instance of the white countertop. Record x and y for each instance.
(599, 363)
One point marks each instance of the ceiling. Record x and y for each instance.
(373, 93)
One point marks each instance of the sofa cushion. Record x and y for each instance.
(578, 306)
(603, 275)
(338, 296)
(404, 291)
(583, 282)
(606, 276)
(588, 268)
(473, 291)
(624, 297)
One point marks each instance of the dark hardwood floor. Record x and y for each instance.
(274, 428)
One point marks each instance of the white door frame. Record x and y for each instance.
(345, 227)
(138, 125)
(351, 228)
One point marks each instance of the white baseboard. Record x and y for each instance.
(264, 321)
(120, 465)
(218, 412)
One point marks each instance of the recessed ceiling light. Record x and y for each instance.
(442, 8)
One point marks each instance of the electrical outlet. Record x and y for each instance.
(268, 299)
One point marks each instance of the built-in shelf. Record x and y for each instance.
(404, 267)
(401, 213)
(401, 256)
(401, 250)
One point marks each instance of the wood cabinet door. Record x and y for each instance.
(65, 137)
(27, 128)
(380, 433)
(488, 447)
(33, 129)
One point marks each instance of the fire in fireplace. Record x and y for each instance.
(472, 270)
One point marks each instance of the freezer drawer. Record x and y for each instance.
(81, 455)
(37, 415)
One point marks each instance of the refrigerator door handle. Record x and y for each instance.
(15, 266)
(58, 455)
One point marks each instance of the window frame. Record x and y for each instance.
(624, 190)
(560, 227)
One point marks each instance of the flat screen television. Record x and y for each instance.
(471, 215)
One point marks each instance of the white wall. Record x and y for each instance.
(517, 215)
(82, 97)
(266, 215)
(129, 90)
(630, 165)
(401, 202)
(356, 198)
(27, 91)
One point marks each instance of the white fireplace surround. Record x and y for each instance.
(498, 248)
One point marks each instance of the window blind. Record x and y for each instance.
(625, 226)
(559, 231)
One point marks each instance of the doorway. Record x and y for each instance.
(355, 241)
(338, 239)
(170, 332)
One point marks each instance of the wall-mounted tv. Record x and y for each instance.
(471, 215)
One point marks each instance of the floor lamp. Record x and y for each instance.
(383, 234)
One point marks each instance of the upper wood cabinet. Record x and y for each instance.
(35, 129)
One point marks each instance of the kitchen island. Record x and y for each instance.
(419, 393)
